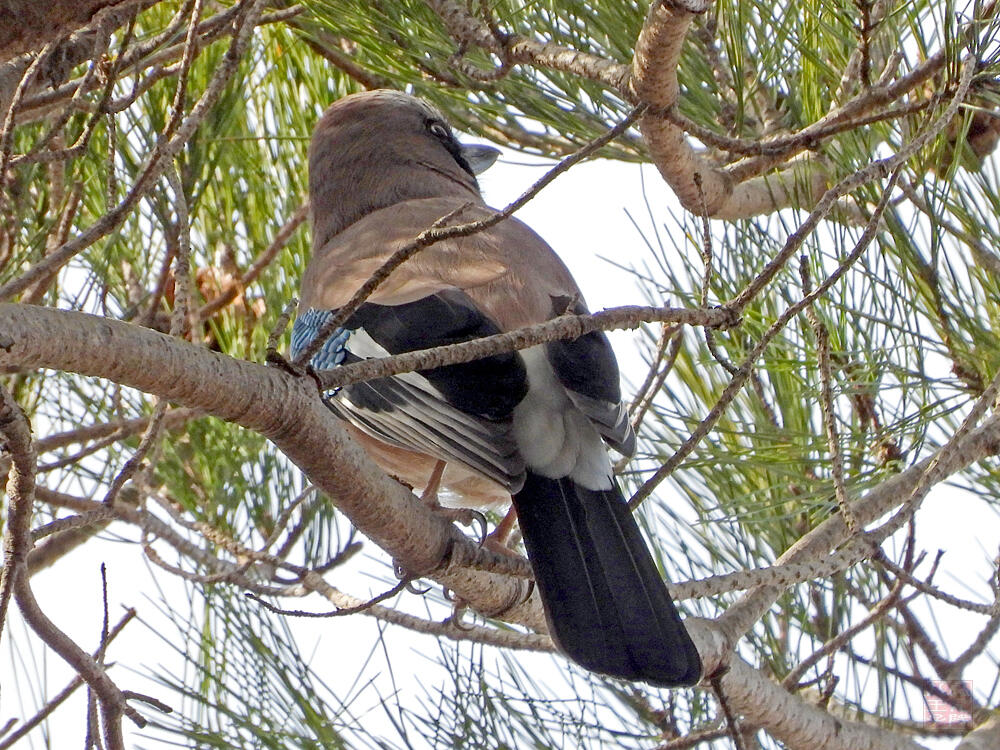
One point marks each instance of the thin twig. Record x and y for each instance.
(16, 434)
(21, 493)
(694, 738)
(101, 40)
(135, 462)
(159, 159)
(993, 610)
(66, 692)
(261, 262)
(555, 329)
(83, 520)
(822, 336)
(118, 429)
(397, 589)
(179, 322)
(464, 27)
(7, 129)
(190, 47)
(932, 475)
(647, 393)
(286, 514)
(791, 680)
(732, 725)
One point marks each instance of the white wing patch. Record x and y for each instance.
(417, 417)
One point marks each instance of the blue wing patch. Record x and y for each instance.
(456, 412)
(334, 349)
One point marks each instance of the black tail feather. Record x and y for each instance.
(607, 607)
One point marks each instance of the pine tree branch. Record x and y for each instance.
(284, 409)
(795, 722)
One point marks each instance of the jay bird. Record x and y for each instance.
(532, 425)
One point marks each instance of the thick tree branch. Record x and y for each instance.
(288, 411)
(700, 187)
(977, 445)
(796, 723)
(745, 188)
(27, 25)
(466, 28)
(283, 409)
(984, 737)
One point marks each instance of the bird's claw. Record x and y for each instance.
(457, 619)
(478, 517)
(415, 587)
(467, 517)
(412, 585)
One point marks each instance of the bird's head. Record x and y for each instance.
(377, 148)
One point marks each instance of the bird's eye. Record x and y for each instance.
(438, 130)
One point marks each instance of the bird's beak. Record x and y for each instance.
(479, 158)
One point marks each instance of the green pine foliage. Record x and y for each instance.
(911, 330)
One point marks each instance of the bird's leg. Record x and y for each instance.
(464, 516)
(498, 539)
(502, 531)
(430, 493)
